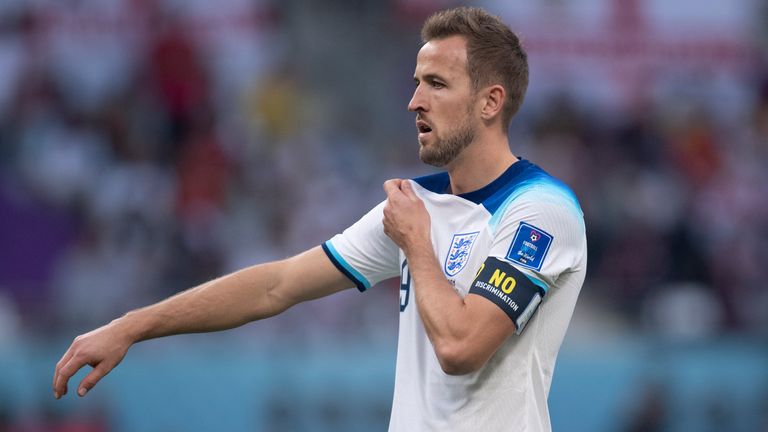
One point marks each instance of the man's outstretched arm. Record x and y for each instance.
(253, 293)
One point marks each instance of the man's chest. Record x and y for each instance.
(461, 240)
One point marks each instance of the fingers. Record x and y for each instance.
(64, 371)
(407, 189)
(398, 187)
(92, 378)
(392, 187)
(56, 376)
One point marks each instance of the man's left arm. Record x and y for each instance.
(465, 332)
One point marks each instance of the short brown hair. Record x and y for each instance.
(494, 52)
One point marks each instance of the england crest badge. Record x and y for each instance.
(458, 254)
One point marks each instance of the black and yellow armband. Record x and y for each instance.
(510, 289)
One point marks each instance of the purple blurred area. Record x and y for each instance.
(148, 146)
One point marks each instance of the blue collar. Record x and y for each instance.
(440, 183)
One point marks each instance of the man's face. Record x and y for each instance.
(443, 101)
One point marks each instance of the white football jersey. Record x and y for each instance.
(525, 220)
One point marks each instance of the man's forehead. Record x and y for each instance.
(448, 54)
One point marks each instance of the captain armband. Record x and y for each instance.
(510, 289)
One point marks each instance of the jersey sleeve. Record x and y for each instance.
(541, 234)
(537, 238)
(363, 252)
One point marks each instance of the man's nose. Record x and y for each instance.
(417, 102)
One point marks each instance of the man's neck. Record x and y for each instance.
(479, 164)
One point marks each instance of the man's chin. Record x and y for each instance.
(430, 158)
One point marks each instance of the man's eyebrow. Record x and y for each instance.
(431, 77)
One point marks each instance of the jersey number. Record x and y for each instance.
(405, 285)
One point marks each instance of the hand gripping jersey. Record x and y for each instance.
(520, 243)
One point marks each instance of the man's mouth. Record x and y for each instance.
(423, 127)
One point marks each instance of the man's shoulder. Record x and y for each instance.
(534, 187)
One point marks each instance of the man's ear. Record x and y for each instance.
(493, 101)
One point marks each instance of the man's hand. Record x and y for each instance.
(102, 349)
(406, 220)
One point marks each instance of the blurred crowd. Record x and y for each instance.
(148, 146)
(677, 212)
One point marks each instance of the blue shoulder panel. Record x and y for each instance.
(530, 178)
(520, 177)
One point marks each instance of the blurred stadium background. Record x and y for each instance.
(147, 146)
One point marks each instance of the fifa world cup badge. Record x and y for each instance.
(530, 246)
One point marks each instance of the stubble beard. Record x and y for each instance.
(445, 150)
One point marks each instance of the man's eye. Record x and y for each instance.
(437, 84)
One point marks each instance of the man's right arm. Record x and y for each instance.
(230, 301)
